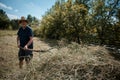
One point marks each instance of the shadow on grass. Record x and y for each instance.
(61, 43)
(56, 43)
(115, 53)
(51, 43)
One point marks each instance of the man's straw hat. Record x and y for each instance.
(23, 19)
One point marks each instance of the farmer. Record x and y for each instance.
(24, 42)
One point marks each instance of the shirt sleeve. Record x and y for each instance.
(30, 34)
(18, 32)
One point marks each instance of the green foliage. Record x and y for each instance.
(33, 21)
(6, 23)
(103, 16)
(86, 21)
(29, 18)
(4, 20)
(14, 24)
(37, 32)
(64, 20)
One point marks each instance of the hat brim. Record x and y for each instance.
(20, 21)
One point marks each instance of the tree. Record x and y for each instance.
(4, 20)
(29, 18)
(65, 20)
(35, 21)
(14, 24)
(103, 15)
(88, 21)
(32, 20)
(75, 20)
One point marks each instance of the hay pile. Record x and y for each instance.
(78, 63)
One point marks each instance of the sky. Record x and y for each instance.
(17, 8)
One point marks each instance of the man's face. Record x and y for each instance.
(23, 23)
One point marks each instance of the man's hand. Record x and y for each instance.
(18, 45)
(18, 42)
(25, 47)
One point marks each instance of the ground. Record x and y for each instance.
(9, 69)
(71, 62)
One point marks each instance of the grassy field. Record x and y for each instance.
(63, 62)
(7, 32)
(8, 53)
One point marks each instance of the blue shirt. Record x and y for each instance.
(24, 35)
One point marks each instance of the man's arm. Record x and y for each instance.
(18, 42)
(29, 42)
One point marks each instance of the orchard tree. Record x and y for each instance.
(83, 20)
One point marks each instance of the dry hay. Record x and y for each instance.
(78, 63)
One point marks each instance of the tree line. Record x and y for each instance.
(83, 21)
(6, 23)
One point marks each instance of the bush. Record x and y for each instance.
(37, 32)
